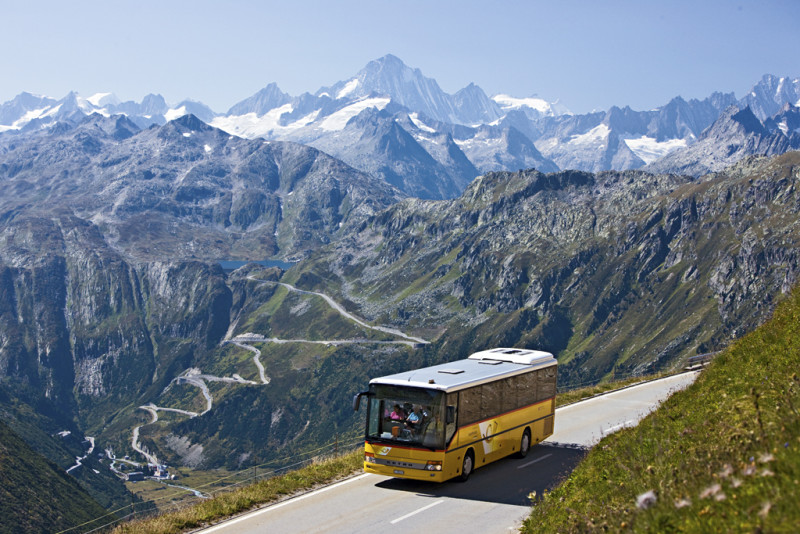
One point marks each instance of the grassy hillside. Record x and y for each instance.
(721, 456)
(35, 494)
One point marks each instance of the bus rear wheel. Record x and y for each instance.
(524, 444)
(467, 466)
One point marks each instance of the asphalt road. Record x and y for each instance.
(494, 500)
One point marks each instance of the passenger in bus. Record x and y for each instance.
(414, 419)
(398, 414)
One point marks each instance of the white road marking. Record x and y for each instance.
(226, 524)
(534, 461)
(415, 512)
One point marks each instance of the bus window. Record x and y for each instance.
(398, 414)
(547, 383)
(470, 406)
(526, 389)
(509, 387)
(491, 399)
(452, 408)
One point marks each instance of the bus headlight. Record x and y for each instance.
(433, 466)
(369, 457)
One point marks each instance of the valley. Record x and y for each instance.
(195, 377)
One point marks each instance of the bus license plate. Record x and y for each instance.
(399, 472)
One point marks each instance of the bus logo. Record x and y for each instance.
(384, 451)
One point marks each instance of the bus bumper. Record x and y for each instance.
(414, 474)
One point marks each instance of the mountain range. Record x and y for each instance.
(450, 217)
(391, 121)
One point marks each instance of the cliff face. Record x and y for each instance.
(85, 326)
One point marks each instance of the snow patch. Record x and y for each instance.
(187, 134)
(478, 143)
(51, 111)
(338, 119)
(648, 149)
(89, 107)
(173, 114)
(419, 124)
(207, 148)
(251, 125)
(348, 88)
(305, 121)
(28, 117)
(507, 102)
(102, 99)
(595, 136)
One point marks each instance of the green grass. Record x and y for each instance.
(721, 456)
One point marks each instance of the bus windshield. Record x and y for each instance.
(411, 416)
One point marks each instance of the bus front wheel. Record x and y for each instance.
(524, 444)
(467, 466)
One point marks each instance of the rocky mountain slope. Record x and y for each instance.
(770, 94)
(185, 189)
(614, 271)
(734, 135)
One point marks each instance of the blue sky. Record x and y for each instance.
(588, 54)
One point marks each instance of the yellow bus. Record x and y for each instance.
(445, 421)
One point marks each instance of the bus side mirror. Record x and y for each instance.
(450, 416)
(357, 400)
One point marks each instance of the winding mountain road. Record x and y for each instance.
(197, 378)
(339, 308)
(135, 438)
(80, 459)
(256, 359)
